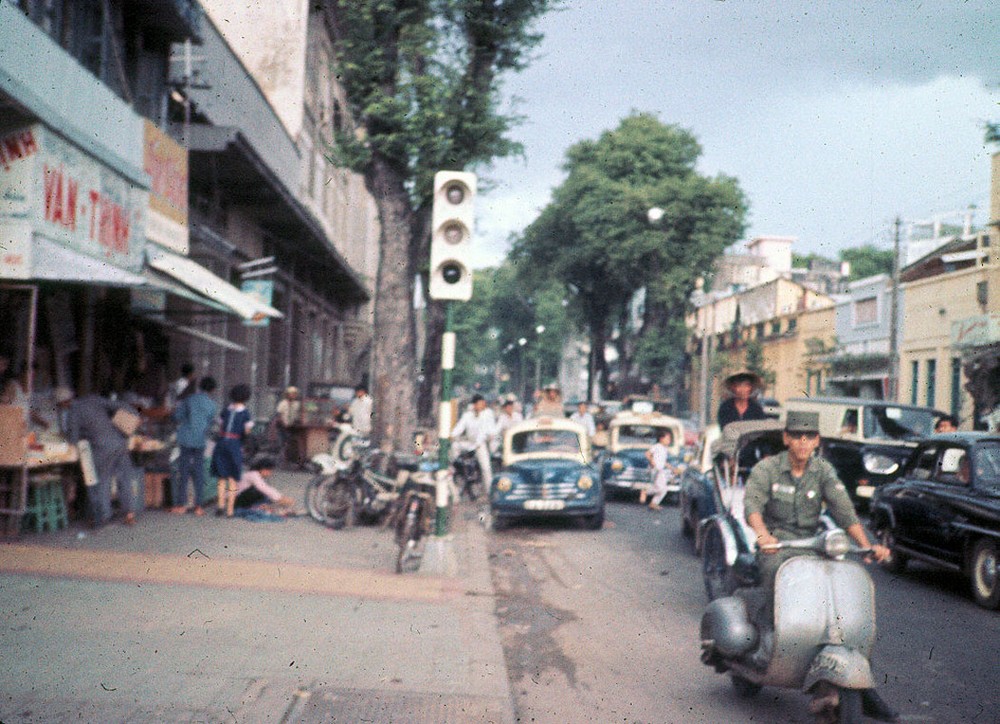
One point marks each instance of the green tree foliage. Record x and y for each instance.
(867, 261)
(489, 357)
(596, 239)
(422, 86)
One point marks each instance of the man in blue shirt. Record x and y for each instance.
(195, 414)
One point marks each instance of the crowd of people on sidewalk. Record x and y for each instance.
(206, 439)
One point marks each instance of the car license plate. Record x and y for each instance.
(544, 504)
(865, 491)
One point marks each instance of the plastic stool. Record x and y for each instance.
(46, 508)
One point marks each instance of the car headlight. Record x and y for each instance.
(585, 482)
(504, 484)
(879, 464)
(617, 466)
(836, 544)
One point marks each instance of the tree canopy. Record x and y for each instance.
(867, 260)
(595, 237)
(421, 79)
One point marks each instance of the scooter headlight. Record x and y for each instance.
(617, 466)
(504, 484)
(585, 482)
(836, 544)
(878, 464)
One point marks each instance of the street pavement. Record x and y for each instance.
(187, 619)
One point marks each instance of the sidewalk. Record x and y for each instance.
(204, 619)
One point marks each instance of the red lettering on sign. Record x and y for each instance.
(60, 198)
(110, 225)
(17, 146)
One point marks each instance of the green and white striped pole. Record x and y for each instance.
(445, 423)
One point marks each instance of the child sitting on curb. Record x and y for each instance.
(254, 491)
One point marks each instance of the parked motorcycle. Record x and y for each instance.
(361, 489)
(414, 519)
(823, 629)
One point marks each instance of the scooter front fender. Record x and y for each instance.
(327, 463)
(843, 667)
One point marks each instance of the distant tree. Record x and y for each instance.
(804, 261)
(867, 261)
(596, 239)
(421, 80)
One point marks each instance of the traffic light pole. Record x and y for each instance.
(444, 421)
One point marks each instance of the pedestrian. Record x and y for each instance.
(550, 404)
(287, 413)
(583, 416)
(254, 489)
(194, 415)
(183, 385)
(89, 418)
(946, 424)
(741, 405)
(785, 495)
(235, 424)
(360, 411)
(507, 418)
(660, 469)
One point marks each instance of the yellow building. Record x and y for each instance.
(950, 344)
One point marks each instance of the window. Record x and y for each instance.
(983, 293)
(866, 311)
(956, 386)
(987, 467)
(924, 466)
(954, 467)
(792, 324)
(931, 381)
(914, 381)
(776, 327)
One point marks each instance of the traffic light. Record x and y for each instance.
(451, 235)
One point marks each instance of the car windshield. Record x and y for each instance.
(640, 434)
(557, 441)
(987, 467)
(898, 423)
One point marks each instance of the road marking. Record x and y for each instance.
(231, 574)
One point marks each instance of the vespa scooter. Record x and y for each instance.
(823, 633)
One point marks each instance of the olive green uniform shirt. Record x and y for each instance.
(790, 507)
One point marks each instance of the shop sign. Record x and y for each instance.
(50, 187)
(977, 331)
(263, 291)
(166, 162)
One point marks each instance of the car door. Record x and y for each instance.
(943, 503)
(910, 502)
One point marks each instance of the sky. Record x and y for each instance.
(834, 116)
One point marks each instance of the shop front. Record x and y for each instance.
(977, 338)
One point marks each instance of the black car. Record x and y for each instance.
(945, 509)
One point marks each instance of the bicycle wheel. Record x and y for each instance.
(410, 537)
(330, 501)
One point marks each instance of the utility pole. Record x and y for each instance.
(894, 320)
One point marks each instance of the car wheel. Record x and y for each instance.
(985, 579)
(896, 562)
(595, 521)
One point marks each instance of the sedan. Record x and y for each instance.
(945, 510)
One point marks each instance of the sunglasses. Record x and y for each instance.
(802, 435)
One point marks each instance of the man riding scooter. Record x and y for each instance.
(475, 430)
(785, 495)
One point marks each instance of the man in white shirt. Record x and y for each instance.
(583, 417)
(360, 411)
(508, 417)
(474, 431)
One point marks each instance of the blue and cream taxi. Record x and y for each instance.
(546, 471)
(623, 464)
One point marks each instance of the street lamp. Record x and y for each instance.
(538, 357)
(520, 366)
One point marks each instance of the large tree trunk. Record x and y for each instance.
(394, 341)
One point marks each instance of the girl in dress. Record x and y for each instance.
(235, 423)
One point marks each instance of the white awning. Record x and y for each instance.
(166, 283)
(194, 276)
(53, 262)
(200, 334)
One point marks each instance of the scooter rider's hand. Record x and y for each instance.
(767, 542)
(879, 553)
